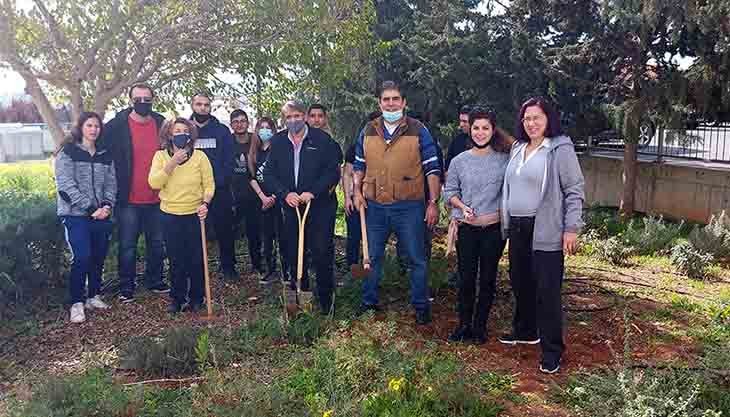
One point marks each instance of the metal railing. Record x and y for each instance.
(708, 143)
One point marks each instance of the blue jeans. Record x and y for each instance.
(134, 220)
(88, 240)
(353, 238)
(405, 218)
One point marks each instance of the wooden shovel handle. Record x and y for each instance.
(300, 249)
(204, 242)
(364, 233)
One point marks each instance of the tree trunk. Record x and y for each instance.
(629, 179)
(48, 113)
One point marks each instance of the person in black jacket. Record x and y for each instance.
(132, 139)
(303, 166)
(216, 141)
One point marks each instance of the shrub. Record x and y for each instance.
(612, 250)
(690, 261)
(604, 221)
(653, 236)
(305, 328)
(714, 238)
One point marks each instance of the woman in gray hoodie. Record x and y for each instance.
(542, 203)
(87, 189)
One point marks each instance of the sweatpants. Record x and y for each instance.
(185, 251)
(88, 240)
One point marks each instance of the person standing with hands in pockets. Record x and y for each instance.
(184, 177)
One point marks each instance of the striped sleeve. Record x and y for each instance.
(359, 164)
(429, 154)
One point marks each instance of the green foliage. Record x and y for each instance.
(691, 261)
(178, 352)
(604, 220)
(653, 235)
(714, 238)
(612, 250)
(305, 328)
(635, 393)
(257, 335)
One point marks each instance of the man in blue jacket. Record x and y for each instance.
(216, 141)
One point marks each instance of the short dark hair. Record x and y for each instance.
(317, 106)
(143, 86)
(390, 85)
(201, 94)
(464, 110)
(553, 128)
(77, 133)
(238, 113)
(499, 141)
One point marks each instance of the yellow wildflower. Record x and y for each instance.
(395, 385)
(328, 413)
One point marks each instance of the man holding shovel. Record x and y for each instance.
(302, 170)
(394, 155)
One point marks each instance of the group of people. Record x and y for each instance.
(164, 179)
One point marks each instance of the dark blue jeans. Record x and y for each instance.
(134, 220)
(354, 235)
(88, 240)
(185, 250)
(405, 218)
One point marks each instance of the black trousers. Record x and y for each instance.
(318, 241)
(272, 228)
(248, 212)
(536, 278)
(478, 251)
(220, 216)
(185, 251)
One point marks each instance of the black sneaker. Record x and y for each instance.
(174, 308)
(549, 367)
(511, 339)
(160, 289)
(126, 298)
(461, 334)
(423, 317)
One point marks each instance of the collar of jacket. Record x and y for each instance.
(379, 125)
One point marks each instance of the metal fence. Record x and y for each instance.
(708, 143)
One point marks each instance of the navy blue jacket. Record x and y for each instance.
(216, 141)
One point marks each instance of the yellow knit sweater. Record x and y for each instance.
(183, 191)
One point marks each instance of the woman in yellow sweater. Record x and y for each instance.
(185, 179)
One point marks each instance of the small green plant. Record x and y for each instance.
(305, 328)
(180, 351)
(690, 261)
(653, 236)
(612, 250)
(714, 238)
(604, 221)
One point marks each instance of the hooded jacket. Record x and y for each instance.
(117, 140)
(216, 141)
(84, 182)
(560, 208)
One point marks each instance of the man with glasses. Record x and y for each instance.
(132, 139)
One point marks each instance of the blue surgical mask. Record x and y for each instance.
(265, 134)
(392, 116)
(181, 140)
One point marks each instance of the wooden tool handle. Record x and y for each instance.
(364, 233)
(300, 250)
(204, 242)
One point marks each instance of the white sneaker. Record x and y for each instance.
(95, 302)
(77, 313)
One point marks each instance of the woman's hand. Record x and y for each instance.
(180, 156)
(468, 212)
(203, 211)
(570, 243)
(101, 213)
(267, 202)
(349, 206)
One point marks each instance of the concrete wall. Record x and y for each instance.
(679, 191)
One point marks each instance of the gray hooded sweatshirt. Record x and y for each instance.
(561, 201)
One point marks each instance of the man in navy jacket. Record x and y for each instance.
(216, 141)
(303, 166)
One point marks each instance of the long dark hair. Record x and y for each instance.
(77, 132)
(500, 142)
(553, 128)
(256, 144)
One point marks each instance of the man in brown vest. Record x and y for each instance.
(394, 155)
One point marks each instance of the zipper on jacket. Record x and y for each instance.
(93, 182)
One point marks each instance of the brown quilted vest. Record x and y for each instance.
(393, 171)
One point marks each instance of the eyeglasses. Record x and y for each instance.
(142, 99)
(532, 119)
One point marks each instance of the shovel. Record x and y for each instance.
(362, 271)
(303, 298)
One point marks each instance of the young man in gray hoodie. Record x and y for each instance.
(542, 204)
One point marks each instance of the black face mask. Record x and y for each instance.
(201, 118)
(143, 109)
(478, 146)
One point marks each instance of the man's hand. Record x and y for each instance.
(349, 206)
(570, 243)
(293, 200)
(468, 212)
(359, 201)
(203, 211)
(306, 197)
(432, 214)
